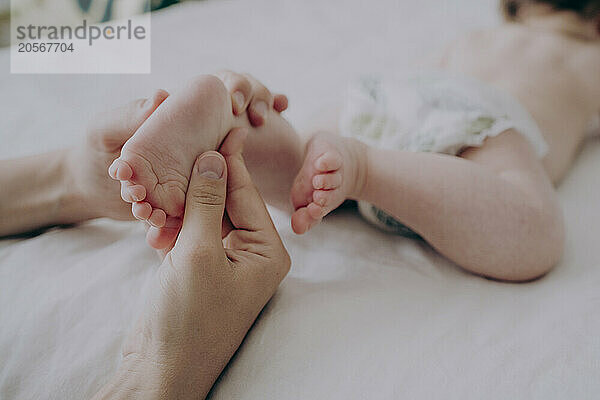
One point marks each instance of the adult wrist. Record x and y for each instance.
(73, 205)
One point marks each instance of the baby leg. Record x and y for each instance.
(493, 211)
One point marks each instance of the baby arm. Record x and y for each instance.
(493, 211)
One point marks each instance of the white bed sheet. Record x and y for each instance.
(362, 314)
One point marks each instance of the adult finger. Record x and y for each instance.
(164, 238)
(245, 207)
(111, 129)
(261, 102)
(204, 205)
(239, 87)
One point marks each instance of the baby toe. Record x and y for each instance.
(330, 161)
(157, 218)
(120, 170)
(327, 181)
(162, 238)
(323, 198)
(141, 210)
(132, 193)
(302, 221)
(315, 211)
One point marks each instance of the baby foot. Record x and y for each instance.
(332, 172)
(155, 164)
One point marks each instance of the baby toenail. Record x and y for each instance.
(112, 170)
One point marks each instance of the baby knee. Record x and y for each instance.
(542, 254)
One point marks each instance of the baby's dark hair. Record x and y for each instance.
(587, 9)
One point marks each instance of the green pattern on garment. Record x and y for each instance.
(480, 125)
(368, 125)
(372, 86)
(393, 224)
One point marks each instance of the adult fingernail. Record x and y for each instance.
(261, 109)
(239, 100)
(210, 166)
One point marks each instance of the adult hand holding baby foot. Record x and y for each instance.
(106, 134)
(208, 290)
(154, 164)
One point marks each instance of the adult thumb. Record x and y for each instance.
(205, 202)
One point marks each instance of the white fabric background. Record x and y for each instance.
(362, 314)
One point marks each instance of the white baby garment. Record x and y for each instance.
(431, 111)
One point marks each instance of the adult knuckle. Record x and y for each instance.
(235, 76)
(208, 84)
(263, 93)
(234, 80)
(286, 262)
(200, 254)
(206, 194)
(208, 91)
(241, 83)
(249, 77)
(226, 76)
(280, 263)
(195, 250)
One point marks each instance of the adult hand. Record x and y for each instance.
(209, 289)
(247, 95)
(86, 165)
(97, 195)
